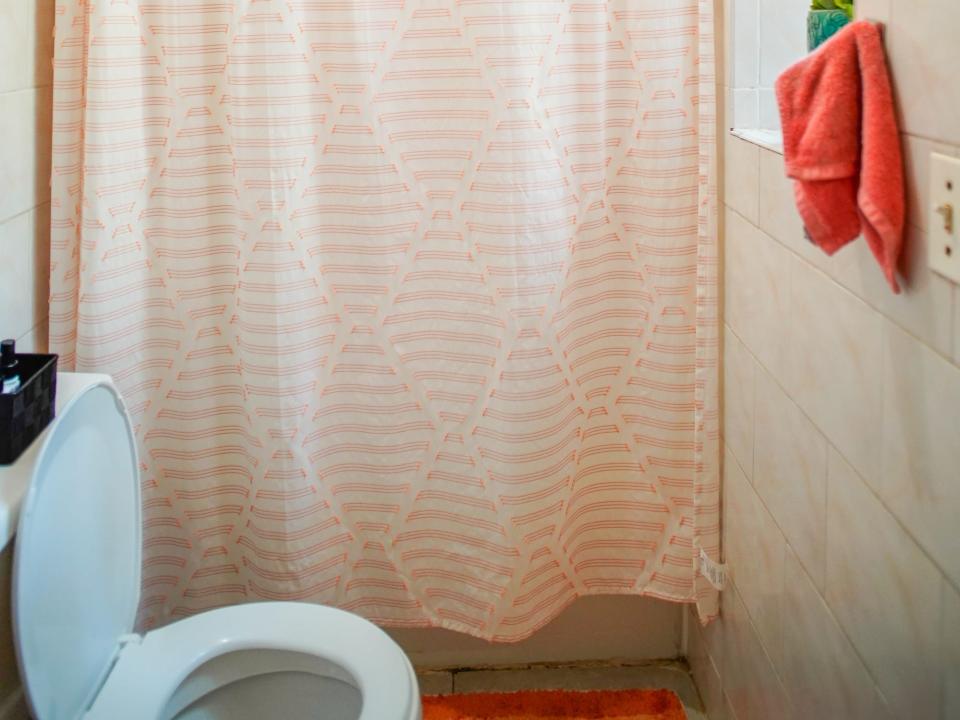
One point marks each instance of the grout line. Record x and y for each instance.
(763, 647)
(929, 138)
(728, 706)
(39, 324)
(823, 595)
(942, 686)
(21, 213)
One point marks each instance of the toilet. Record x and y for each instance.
(76, 587)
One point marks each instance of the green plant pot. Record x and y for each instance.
(822, 25)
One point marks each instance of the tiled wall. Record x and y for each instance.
(842, 439)
(765, 42)
(26, 83)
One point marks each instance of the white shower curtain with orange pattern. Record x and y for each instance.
(413, 302)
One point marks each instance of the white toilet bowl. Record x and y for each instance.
(76, 591)
(263, 660)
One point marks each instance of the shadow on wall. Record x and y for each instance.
(9, 677)
(597, 627)
(42, 25)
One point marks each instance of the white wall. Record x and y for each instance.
(26, 82)
(767, 37)
(842, 439)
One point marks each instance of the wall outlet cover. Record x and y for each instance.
(944, 216)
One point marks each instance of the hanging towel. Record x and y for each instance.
(842, 145)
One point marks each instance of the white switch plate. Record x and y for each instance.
(944, 223)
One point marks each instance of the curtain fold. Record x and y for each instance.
(413, 302)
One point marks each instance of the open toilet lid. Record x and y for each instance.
(76, 580)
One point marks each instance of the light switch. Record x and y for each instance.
(944, 221)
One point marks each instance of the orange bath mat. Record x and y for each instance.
(556, 705)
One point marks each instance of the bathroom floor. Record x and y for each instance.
(589, 676)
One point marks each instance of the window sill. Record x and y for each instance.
(767, 139)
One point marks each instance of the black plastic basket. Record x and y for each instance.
(25, 413)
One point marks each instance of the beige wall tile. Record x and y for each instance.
(924, 55)
(921, 445)
(756, 290)
(790, 473)
(24, 273)
(704, 670)
(712, 636)
(834, 367)
(739, 370)
(855, 268)
(750, 681)
(26, 29)
(878, 10)
(778, 210)
(821, 671)
(741, 184)
(951, 652)
(35, 340)
(754, 556)
(25, 151)
(885, 593)
(848, 371)
(15, 45)
(924, 305)
(16, 291)
(956, 325)
(729, 712)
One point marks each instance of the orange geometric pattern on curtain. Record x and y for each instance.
(413, 302)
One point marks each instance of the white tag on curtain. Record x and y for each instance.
(714, 572)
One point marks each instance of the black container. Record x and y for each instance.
(25, 413)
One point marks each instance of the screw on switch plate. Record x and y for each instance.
(944, 245)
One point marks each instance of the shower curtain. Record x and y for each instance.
(413, 303)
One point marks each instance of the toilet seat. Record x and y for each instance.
(76, 588)
(150, 669)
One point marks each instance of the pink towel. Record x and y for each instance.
(842, 145)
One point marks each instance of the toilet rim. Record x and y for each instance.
(150, 671)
